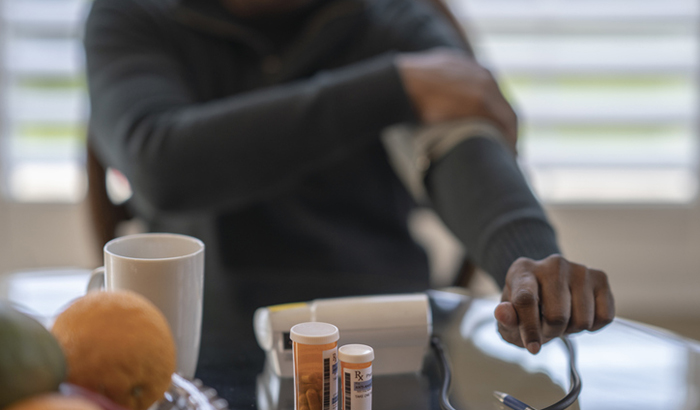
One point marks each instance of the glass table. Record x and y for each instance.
(626, 365)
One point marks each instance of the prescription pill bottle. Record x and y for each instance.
(315, 352)
(356, 374)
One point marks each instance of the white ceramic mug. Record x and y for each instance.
(168, 269)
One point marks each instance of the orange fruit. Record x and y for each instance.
(117, 344)
(53, 401)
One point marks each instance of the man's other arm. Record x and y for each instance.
(184, 154)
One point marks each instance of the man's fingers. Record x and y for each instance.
(525, 299)
(510, 334)
(604, 302)
(582, 301)
(508, 323)
(502, 112)
(556, 301)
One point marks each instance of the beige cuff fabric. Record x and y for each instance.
(411, 149)
(434, 141)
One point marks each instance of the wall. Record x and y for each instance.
(650, 253)
(45, 235)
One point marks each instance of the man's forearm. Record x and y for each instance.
(480, 193)
(248, 145)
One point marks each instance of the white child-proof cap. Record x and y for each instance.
(355, 353)
(314, 333)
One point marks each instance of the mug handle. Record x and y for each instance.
(97, 279)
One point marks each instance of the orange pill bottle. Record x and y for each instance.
(315, 352)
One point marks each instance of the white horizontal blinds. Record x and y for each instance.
(606, 92)
(44, 103)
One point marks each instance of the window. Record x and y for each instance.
(606, 93)
(43, 108)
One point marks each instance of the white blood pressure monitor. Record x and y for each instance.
(397, 327)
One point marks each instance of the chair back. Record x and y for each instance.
(105, 215)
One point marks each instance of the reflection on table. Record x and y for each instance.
(626, 365)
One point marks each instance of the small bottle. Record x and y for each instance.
(356, 374)
(315, 352)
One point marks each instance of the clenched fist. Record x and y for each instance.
(545, 299)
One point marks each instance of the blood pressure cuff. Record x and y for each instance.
(475, 185)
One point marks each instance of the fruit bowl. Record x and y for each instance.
(190, 395)
(42, 295)
(183, 394)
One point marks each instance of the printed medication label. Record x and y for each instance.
(330, 379)
(357, 389)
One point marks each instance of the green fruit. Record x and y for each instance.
(31, 361)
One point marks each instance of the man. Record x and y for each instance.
(254, 125)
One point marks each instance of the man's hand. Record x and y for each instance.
(545, 299)
(448, 85)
